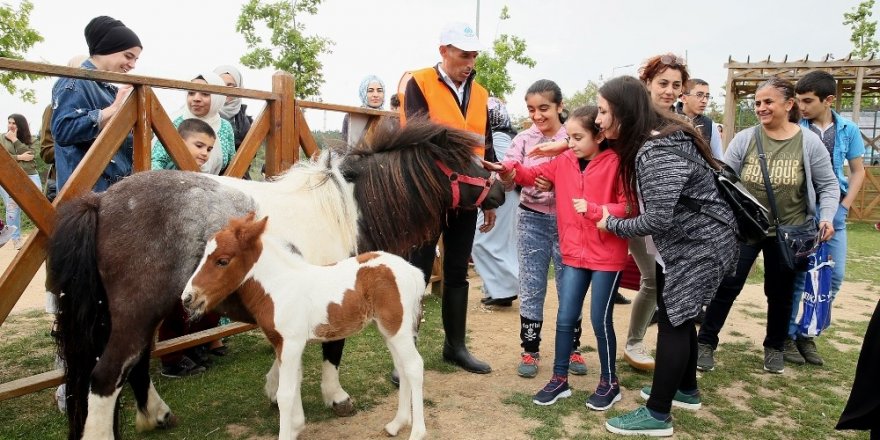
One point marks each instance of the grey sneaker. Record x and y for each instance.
(791, 354)
(807, 347)
(705, 357)
(773, 360)
(528, 365)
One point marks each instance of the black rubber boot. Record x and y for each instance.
(454, 312)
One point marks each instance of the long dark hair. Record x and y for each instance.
(631, 107)
(24, 130)
(786, 88)
(551, 91)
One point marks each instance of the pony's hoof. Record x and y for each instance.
(345, 408)
(167, 422)
(391, 429)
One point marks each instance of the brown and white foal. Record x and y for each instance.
(295, 302)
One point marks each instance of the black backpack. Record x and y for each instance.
(751, 216)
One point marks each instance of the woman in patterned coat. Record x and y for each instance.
(693, 251)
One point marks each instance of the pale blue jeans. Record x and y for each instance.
(13, 212)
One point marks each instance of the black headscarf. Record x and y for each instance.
(106, 35)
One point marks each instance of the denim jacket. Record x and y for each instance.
(77, 104)
(848, 145)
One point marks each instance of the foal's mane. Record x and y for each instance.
(401, 193)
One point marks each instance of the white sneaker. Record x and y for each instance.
(637, 357)
(6, 234)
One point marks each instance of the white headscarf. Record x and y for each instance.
(233, 106)
(215, 159)
(362, 90)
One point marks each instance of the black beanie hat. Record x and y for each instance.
(106, 35)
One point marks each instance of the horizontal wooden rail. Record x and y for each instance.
(345, 108)
(127, 78)
(53, 378)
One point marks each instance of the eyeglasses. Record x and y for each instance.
(700, 96)
(672, 60)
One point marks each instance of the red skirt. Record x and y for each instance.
(630, 278)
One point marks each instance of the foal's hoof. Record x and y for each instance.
(344, 409)
(167, 422)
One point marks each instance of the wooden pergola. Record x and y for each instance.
(856, 79)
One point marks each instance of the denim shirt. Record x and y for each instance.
(848, 145)
(77, 104)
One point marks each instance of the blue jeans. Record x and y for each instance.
(13, 212)
(572, 290)
(537, 246)
(837, 253)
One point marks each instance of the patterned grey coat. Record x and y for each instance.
(697, 250)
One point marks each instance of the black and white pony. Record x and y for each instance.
(118, 260)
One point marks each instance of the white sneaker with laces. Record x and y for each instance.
(637, 357)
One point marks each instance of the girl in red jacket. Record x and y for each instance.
(585, 179)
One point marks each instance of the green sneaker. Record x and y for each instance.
(640, 422)
(681, 400)
(528, 365)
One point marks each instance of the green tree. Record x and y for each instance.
(287, 49)
(16, 37)
(492, 64)
(863, 30)
(585, 96)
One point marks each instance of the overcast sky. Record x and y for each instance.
(571, 41)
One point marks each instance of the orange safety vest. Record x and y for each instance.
(443, 106)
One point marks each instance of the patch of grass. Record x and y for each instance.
(861, 257)
(738, 397)
(228, 395)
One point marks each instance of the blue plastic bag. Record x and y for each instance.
(816, 314)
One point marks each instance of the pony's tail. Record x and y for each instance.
(83, 319)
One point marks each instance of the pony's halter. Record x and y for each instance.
(456, 178)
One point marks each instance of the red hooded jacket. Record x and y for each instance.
(582, 244)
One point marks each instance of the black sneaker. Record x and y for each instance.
(705, 357)
(186, 367)
(807, 347)
(556, 389)
(499, 302)
(620, 299)
(773, 361)
(607, 393)
(791, 354)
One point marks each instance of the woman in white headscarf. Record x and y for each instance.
(204, 106)
(372, 94)
(233, 110)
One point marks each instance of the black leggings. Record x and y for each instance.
(676, 361)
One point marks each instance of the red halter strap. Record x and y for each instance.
(455, 179)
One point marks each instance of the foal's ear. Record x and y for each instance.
(252, 230)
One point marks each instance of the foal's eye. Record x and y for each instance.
(222, 262)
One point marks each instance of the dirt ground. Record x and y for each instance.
(461, 402)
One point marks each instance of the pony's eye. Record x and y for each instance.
(222, 262)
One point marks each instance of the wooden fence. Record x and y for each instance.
(280, 125)
(866, 207)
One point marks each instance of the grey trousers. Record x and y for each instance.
(646, 300)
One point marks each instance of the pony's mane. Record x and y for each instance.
(336, 201)
(400, 191)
